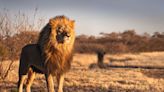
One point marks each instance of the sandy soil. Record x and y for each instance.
(82, 79)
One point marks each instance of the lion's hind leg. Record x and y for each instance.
(22, 77)
(23, 70)
(31, 76)
(20, 82)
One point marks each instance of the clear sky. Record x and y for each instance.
(95, 16)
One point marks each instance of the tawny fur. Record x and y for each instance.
(57, 56)
(48, 56)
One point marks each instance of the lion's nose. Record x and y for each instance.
(66, 34)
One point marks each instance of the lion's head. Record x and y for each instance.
(62, 29)
(56, 41)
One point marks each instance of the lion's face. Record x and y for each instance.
(56, 42)
(62, 30)
(63, 34)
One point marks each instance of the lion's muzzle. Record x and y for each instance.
(63, 37)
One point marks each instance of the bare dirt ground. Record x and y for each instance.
(82, 79)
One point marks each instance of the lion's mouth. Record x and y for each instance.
(66, 39)
(62, 39)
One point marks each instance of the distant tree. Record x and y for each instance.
(158, 35)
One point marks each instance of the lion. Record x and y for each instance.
(51, 55)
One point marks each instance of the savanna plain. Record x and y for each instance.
(81, 78)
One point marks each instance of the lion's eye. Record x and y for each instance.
(59, 32)
(58, 28)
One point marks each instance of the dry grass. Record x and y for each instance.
(82, 79)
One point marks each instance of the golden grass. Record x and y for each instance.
(82, 79)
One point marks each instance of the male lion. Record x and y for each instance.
(52, 55)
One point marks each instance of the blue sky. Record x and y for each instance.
(95, 16)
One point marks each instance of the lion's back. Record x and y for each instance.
(31, 49)
(30, 53)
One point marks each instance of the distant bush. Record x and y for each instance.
(3, 51)
(17, 31)
(125, 42)
(109, 42)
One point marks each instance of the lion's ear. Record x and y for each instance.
(52, 22)
(72, 23)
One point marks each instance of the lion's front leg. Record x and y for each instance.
(60, 80)
(50, 84)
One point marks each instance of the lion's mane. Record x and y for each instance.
(57, 57)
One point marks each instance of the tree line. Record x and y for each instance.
(125, 42)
